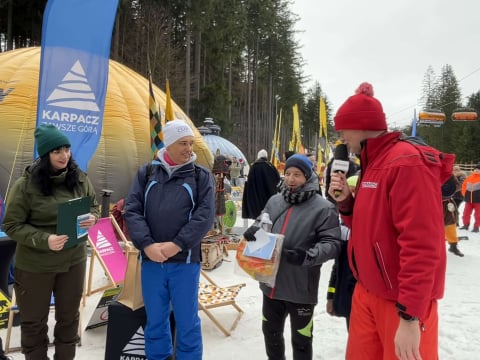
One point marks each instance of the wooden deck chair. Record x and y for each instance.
(210, 296)
(14, 310)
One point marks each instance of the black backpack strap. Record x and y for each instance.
(428, 153)
(414, 140)
(149, 169)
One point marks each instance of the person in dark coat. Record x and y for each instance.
(460, 176)
(342, 282)
(262, 181)
(450, 214)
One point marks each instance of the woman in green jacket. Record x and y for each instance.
(44, 264)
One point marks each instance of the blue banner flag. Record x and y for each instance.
(414, 123)
(76, 38)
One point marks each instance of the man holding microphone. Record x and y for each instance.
(397, 245)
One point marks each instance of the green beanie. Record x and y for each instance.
(48, 138)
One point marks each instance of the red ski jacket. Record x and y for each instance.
(397, 244)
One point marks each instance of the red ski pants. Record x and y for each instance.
(467, 213)
(373, 324)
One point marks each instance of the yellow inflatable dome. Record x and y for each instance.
(125, 142)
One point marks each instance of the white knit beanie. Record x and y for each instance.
(174, 130)
(262, 154)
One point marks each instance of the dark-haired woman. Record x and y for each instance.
(42, 263)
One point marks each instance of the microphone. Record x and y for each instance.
(340, 162)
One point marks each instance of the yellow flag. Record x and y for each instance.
(275, 156)
(168, 106)
(296, 143)
(323, 117)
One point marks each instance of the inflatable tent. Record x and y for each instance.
(125, 141)
(227, 148)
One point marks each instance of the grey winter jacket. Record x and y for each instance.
(312, 224)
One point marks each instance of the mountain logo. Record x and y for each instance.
(74, 92)
(135, 348)
(102, 241)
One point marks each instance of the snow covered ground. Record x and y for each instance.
(459, 316)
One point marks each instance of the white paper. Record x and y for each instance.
(262, 240)
(264, 252)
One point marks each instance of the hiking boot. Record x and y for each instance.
(464, 227)
(454, 249)
(475, 229)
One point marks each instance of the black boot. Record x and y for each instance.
(464, 227)
(475, 229)
(454, 249)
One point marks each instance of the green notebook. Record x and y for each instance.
(69, 215)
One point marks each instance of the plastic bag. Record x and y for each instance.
(262, 270)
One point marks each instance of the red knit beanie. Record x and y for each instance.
(361, 111)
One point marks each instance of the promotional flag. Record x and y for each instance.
(168, 106)
(323, 117)
(156, 134)
(414, 123)
(76, 38)
(296, 142)
(275, 156)
(323, 149)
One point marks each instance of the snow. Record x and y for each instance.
(459, 319)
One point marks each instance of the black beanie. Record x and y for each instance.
(48, 138)
(300, 162)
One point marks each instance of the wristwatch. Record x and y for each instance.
(407, 317)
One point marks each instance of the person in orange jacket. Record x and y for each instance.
(471, 195)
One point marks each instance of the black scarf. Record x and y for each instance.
(298, 196)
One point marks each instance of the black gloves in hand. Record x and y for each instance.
(249, 234)
(295, 256)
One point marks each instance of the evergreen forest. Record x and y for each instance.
(238, 62)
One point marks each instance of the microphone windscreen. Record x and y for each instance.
(341, 152)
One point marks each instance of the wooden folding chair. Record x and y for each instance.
(211, 295)
(14, 310)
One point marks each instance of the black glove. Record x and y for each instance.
(295, 256)
(249, 234)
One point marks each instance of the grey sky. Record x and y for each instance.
(389, 44)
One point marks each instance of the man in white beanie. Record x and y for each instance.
(169, 209)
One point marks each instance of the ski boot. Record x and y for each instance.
(454, 249)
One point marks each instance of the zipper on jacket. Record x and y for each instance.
(381, 266)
